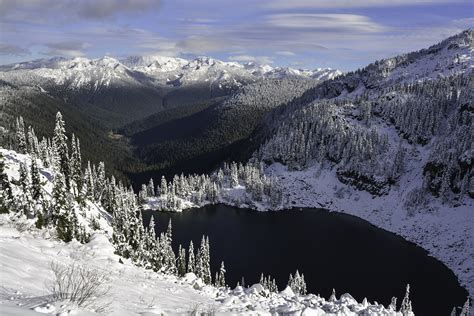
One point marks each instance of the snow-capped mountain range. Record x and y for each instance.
(80, 72)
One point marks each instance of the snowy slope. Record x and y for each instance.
(449, 57)
(26, 255)
(25, 269)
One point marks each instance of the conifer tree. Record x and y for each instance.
(76, 165)
(199, 270)
(32, 141)
(181, 261)
(393, 305)
(59, 194)
(406, 308)
(143, 194)
(234, 177)
(466, 308)
(151, 188)
(6, 196)
(204, 261)
(25, 201)
(220, 276)
(163, 186)
(24, 178)
(20, 136)
(333, 298)
(36, 186)
(100, 182)
(89, 184)
(61, 149)
(191, 262)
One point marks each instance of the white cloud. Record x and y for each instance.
(325, 22)
(248, 58)
(201, 44)
(285, 53)
(68, 48)
(346, 4)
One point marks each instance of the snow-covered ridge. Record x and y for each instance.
(452, 56)
(80, 72)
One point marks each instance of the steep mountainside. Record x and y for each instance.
(357, 119)
(392, 143)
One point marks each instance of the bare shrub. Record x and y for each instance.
(199, 310)
(80, 285)
(21, 226)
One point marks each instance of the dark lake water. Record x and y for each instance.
(333, 250)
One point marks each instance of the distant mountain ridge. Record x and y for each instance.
(80, 72)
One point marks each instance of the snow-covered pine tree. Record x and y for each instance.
(191, 262)
(393, 305)
(143, 194)
(6, 197)
(163, 186)
(60, 208)
(297, 283)
(76, 165)
(234, 176)
(398, 163)
(24, 202)
(206, 261)
(36, 185)
(199, 269)
(466, 308)
(100, 182)
(181, 261)
(61, 149)
(36, 191)
(151, 188)
(24, 178)
(220, 276)
(333, 297)
(32, 142)
(88, 184)
(169, 258)
(20, 136)
(406, 308)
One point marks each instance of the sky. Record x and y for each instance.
(342, 34)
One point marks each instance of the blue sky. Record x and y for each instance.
(343, 34)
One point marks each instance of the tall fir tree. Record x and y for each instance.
(20, 136)
(220, 276)
(191, 261)
(61, 149)
(76, 165)
(163, 186)
(36, 186)
(406, 308)
(181, 261)
(6, 196)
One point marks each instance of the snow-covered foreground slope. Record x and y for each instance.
(25, 272)
(26, 255)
